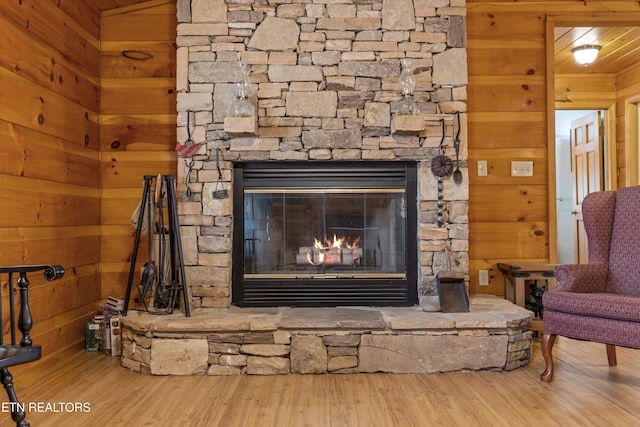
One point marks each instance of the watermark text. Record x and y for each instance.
(64, 407)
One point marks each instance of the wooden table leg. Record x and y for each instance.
(519, 291)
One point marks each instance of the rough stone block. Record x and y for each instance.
(312, 104)
(354, 24)
(267, 365)
(308, 355)
(241, 126)
(137, 353)
(295, 73)
(233, 360)
(225, 338)
(450, 67)
(377, 114)
(223, 370)
(398, 15)
(179, 356)
(258, 338)
(342, 351)
(384, 68)
(344, 138)
(224, 348)
(430, 354)
(341, 340)
(131, 364)
(342, 362)
(275, 34)
(407, 124)
(265, 349)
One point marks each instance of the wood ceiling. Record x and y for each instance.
(620, 48)
(102, 5)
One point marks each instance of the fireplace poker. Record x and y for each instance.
(457, 175)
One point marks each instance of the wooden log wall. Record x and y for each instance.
(509, 218)
(49, 161)
(138, 116)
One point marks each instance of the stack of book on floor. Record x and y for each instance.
(116, 304)
(103, 331)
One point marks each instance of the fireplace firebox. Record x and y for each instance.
(324, 234)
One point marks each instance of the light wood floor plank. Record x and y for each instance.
(585, 392)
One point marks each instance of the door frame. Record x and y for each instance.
(609, 152)
(632, 151)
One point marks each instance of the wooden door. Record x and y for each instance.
(586, 164)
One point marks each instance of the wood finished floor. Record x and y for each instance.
(585, 392)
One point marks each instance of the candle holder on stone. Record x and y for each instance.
(408, 86)
(243, 122)
(407, 120)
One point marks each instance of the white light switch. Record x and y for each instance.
(482, 168)
(483, 277)
(522, 168)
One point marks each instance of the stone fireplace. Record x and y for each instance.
(323, 78)
(324, 81)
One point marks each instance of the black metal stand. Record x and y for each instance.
(178, 278)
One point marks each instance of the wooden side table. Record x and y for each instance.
(515, 276)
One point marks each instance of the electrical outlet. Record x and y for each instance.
(483, 277)
(521, 168)
(482, 168)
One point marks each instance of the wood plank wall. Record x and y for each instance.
(138, 117)
(627, 100)
(509, 217)
(49, 161)
(62, 127)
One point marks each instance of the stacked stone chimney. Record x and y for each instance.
(325, 85)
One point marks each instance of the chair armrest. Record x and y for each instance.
(23, 320)
(584, 278)
(51, 271)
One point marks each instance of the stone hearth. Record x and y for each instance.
(495, 335)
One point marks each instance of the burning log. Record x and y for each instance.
(331, 256)
(338, 252)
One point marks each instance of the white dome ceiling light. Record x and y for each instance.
(586, 54)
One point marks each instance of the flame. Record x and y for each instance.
(338, 242)
(353, 244)
(321, 251)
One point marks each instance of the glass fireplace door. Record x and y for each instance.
(324, 233)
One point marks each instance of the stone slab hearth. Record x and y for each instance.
(495, 335)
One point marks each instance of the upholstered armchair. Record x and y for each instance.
(599, 301)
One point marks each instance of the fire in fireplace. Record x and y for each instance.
(331, 252)
(324, 234)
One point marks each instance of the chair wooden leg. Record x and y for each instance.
(546, 343)
(17, 412)
(611, 355)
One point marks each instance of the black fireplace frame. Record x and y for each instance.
(333, 291)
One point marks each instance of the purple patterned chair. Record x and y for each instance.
(600, 301)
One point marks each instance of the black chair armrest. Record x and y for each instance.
(15, 354)
(24, 322)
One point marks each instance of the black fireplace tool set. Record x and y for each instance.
(163, 276)
(451, 285)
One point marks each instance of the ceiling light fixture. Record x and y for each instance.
(586, 54)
